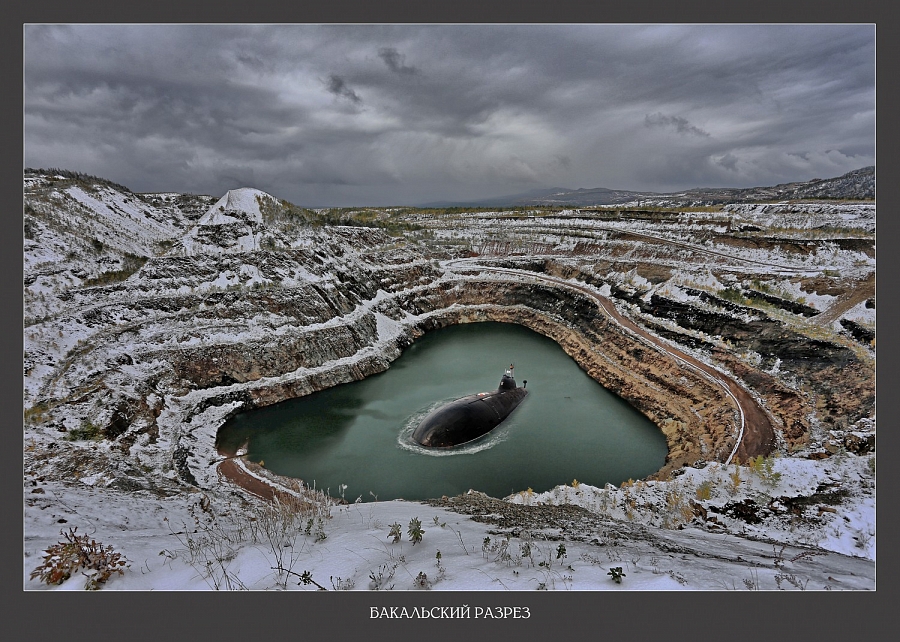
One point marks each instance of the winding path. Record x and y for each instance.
(775, 267)
(755, 434)
(864, 289)
(238, 475)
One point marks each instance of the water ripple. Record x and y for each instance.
(405, 441)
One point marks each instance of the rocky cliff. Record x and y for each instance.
(216, 319)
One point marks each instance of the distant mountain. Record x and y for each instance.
(855, 185)
(530, 196)
(858, 184)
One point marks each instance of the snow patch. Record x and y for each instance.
(859, 313)
(244, 200)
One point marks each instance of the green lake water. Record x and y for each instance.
(358, 434)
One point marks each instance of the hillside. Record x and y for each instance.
(745, 332)
(856, 185)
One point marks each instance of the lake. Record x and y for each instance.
(357, 435)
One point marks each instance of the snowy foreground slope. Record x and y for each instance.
(351, 547)
(150, 318)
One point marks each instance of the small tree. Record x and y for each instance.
(415, 531)
(616, 574)
(704, 490)
(735, 477)
(764, 467)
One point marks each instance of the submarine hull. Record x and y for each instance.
(468, 418)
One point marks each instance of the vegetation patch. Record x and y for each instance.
(88, 431)
(130, 264)
(824, 495)
(77, 552)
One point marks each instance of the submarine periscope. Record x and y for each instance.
(470, 417)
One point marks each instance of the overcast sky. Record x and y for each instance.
(381, 115)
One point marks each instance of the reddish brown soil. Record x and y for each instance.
(236, 475)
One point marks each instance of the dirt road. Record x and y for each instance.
(755, 434)
(864, 290)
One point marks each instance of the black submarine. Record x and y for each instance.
(470, 417)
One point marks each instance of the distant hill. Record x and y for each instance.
(531, 196)
(855, 185)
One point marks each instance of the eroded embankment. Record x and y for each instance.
(698, 416)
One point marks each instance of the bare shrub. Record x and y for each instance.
(78, 552)
(214, 540)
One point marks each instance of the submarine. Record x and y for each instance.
(470, 417)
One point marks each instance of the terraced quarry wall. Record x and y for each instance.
(696, 416)
(145, 362)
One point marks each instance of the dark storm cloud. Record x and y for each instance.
(563, 160)
(337, 86)
(395, 61)
(729, 161)
(402, 114)
(681, 125)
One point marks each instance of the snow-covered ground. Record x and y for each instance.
(794, 523)
(805, 216)
(239, 210)
(564, 234)
(213, 540)
(847, 529)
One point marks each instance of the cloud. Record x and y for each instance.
(251, 61)
(563, 160)
(728, 161)
(337, 86)
(681, 125)
(394, 60)
(312, 115)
